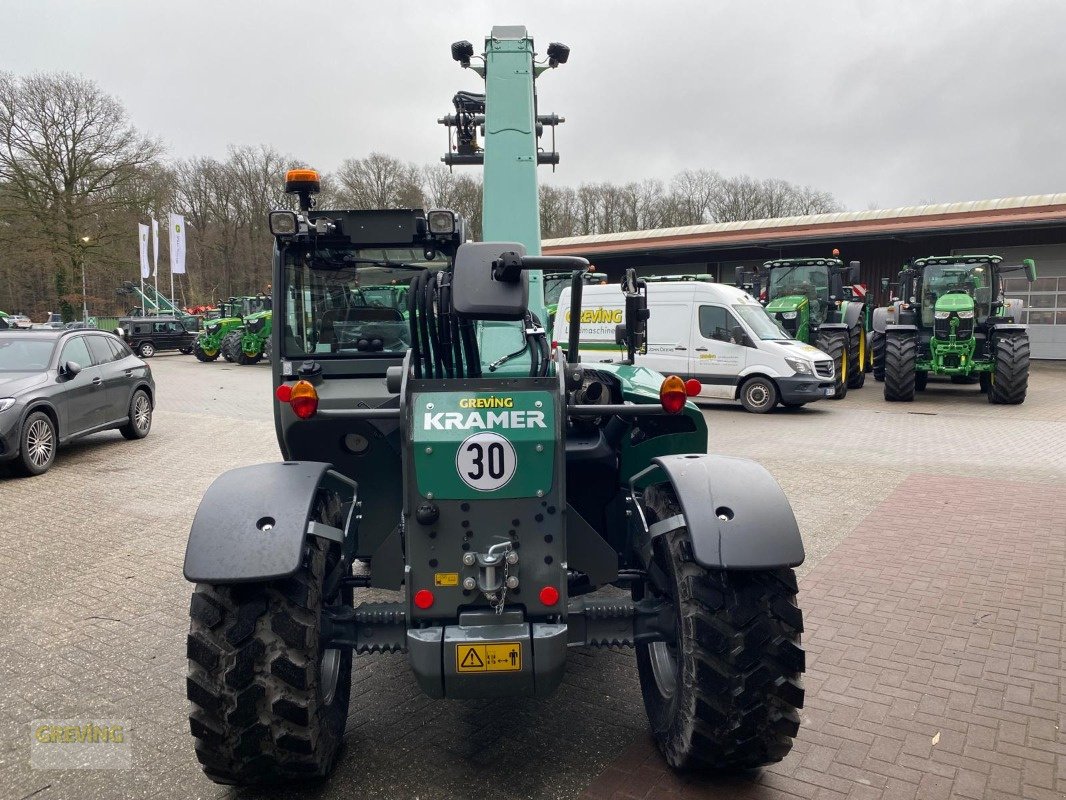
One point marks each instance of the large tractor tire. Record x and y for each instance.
(857, 358)
(901, 354)
(245, 359)
(268, 701)
(921, 380)
(231, 345)
(1010, 380)
(877, 350)
(835, 345)
(725, 695)
(204, 355)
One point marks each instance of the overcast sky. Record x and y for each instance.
(888, 103)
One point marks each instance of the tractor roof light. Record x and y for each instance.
(673, 394)
(462, 52)
(283, 223)
(441, 222)
(558, 53)
(303, 183)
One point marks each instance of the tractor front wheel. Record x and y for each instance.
(724, 693)
(269, 700)
(245, 359)
(901, 354)
(202, 354)
(857, 358)
(1010, 380)
(835, 345)
(231, 345)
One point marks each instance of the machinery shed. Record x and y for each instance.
(883, 240)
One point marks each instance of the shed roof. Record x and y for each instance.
(1033, 209)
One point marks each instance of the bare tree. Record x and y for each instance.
(379, 181)
(69, 158)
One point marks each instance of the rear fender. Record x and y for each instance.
(252, 521)
(735, 513)
(901, 330)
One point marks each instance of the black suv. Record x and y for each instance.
(149, 335)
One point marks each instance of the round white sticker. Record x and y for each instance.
(486, 461)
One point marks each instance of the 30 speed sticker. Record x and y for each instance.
(486, 461)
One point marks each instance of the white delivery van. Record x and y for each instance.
(718, 334)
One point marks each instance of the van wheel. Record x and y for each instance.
(146, 350)
(758, 395)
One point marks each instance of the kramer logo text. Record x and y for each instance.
(458, 421)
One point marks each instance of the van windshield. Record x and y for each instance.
(350, 302)
(763, 325)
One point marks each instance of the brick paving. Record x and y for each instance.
(93, 613)
(936, 655)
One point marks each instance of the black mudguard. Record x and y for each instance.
(736, 514)
(900, 329)
(1010, 327)
(252, 521)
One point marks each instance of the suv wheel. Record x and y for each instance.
(146, 350)
(140, 417)
(37, 446)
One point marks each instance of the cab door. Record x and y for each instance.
(717, 357)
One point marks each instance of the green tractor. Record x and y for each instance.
(497, 502)
(219, 329)
(813, 300)
(254, 342)
(952, 319)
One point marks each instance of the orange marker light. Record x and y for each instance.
(549, 596)
(301, 175)
(304, 400)
(423, 598)
(672, 395)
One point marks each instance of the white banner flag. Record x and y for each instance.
(177, 244)
(142, 232)
(155, 246)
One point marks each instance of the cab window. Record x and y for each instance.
(717, 323)
(76, 351)
(102, 353)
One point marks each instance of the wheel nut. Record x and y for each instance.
(512, 582)
(469, 559)
(469, 584)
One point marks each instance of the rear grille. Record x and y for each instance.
(824, 369)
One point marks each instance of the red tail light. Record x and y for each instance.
(549, 596)
(303, 399)
(423, 598)
(693, 387)
(672, 395)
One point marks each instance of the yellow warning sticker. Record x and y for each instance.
(446, 579)
(496, 657)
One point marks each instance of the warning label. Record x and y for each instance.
(497, 657)
(446, 579)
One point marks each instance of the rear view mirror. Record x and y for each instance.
(70, 369)
(884, 284)
(853, 272)
(1030, 269)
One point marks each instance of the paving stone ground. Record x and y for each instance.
(932, 590)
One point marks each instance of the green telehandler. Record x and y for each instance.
(952, 319)
(496, 502)
(812, 299)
